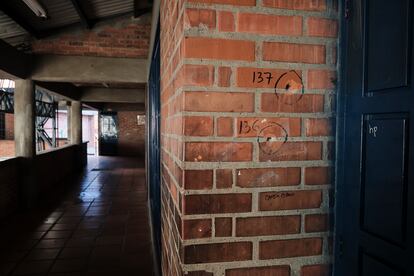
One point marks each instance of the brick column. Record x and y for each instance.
(247, 103)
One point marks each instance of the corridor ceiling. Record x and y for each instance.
(18, 22)
(111, 80)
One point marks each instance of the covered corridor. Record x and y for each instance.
(265, 137)
(98, 227)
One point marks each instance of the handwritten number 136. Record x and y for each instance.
(260, 77)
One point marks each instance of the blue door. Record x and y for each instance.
(375, 206)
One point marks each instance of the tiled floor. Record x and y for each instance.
(100, 227)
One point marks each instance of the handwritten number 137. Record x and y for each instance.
(260, 77)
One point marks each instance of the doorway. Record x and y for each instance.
(108, 133)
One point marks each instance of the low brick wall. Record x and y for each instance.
(46, 173)
(9, 175)
(53, 167)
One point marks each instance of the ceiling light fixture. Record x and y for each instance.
(36, 8)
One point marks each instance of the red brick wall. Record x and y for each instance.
(123, 38)
(7, 148)
(7, 145)
(9, 126)
(172, 25)
(131, 136)
(248, 92)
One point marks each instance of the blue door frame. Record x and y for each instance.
(154, 147)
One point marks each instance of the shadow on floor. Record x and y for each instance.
(99, 226)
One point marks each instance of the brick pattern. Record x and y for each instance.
(126, 38)
(174, 75)
(7, 148)
(131, 135)
(247, 135)
(9, 120)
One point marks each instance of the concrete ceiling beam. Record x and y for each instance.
(80, 69)
(113, 95)
(65, 91)
(14, 64)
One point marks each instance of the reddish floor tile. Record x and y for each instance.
(51, 243)
(43, 254)
(75, 253)
(57, 235)
(99, 228)
(69, 265)
(35, 267)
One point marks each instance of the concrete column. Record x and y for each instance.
(76, 123)
(24, 118)
(69, 120)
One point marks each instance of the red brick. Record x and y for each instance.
(198, 179)
(219, 102)
(198, 126)
(245, 77)
(223, 227)
(128, 41)
(218, 152)
(318, 175)
(292, 103)
(269, 24)
(268, 177)
(226, 2)
(274, 201)
(321, 79)
(318, 127)
(7, 148)
(217, 203)
(315, 270)
(197, 17)
(290, 151)
(316, 223)
(196, 75)
(224, 179)
(9, 125)
(265, 226)
(268, 127)
(292, 52)
(216, 48)
(306, 5)
(226, 21)
(225, 126)
(290, 248)
(322, 27)
(224, 75)
(260, 271)
(217, 252)
(131, 135)
(196, 229)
